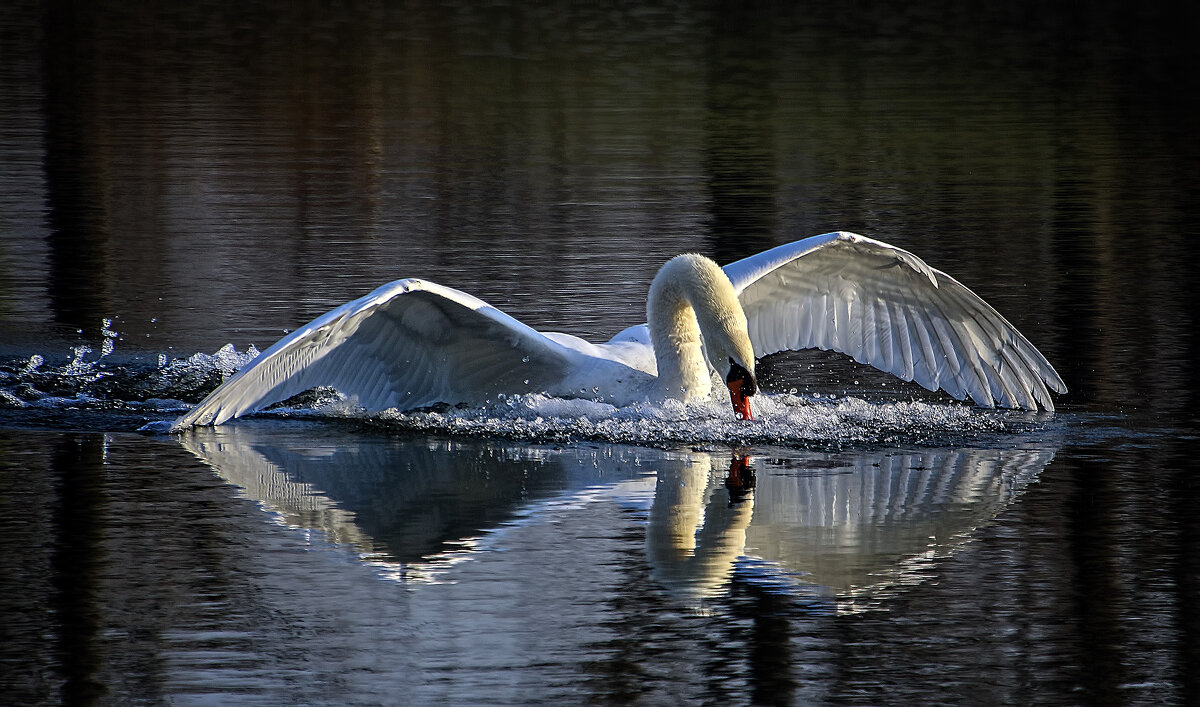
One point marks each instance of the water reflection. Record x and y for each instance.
(411, 502)
(848, 527)
(697, 528)
(858, 525)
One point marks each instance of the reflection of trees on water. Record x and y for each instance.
(845, 525)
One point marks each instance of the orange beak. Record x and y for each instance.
(741, 401)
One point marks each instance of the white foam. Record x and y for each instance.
(780, 419)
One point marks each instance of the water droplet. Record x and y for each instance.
(524, 359)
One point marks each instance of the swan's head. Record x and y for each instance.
(738, 374)
(732, 356)
(741, 385)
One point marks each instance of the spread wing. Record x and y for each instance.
(408, 344)
(885, 307)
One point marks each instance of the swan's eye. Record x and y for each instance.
(738, 372)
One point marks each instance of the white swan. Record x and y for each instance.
(413, 343)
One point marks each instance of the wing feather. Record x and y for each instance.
(900, 325)
(928, 366)
(886, 307)
(408, 344)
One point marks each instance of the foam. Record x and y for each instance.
(781, 419)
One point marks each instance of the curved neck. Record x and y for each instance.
(690, 299)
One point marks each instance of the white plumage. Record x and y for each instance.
(413, 343)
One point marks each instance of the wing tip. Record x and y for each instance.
(184, 423)
(200, 416)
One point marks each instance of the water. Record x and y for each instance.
(181, 186)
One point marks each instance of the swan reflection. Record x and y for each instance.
(849, 525)
(856, 524)
(697, 527)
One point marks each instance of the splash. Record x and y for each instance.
(782, 419)
(197, 374)
(87, 379)
(33, 380)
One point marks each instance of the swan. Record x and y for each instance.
(413, 343)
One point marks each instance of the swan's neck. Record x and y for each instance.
(691, 299)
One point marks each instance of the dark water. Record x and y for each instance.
(173, 180)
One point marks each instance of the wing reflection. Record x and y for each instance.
(405, 501)
(855, 524)
(848, 525)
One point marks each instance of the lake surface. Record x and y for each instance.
(179, 187)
